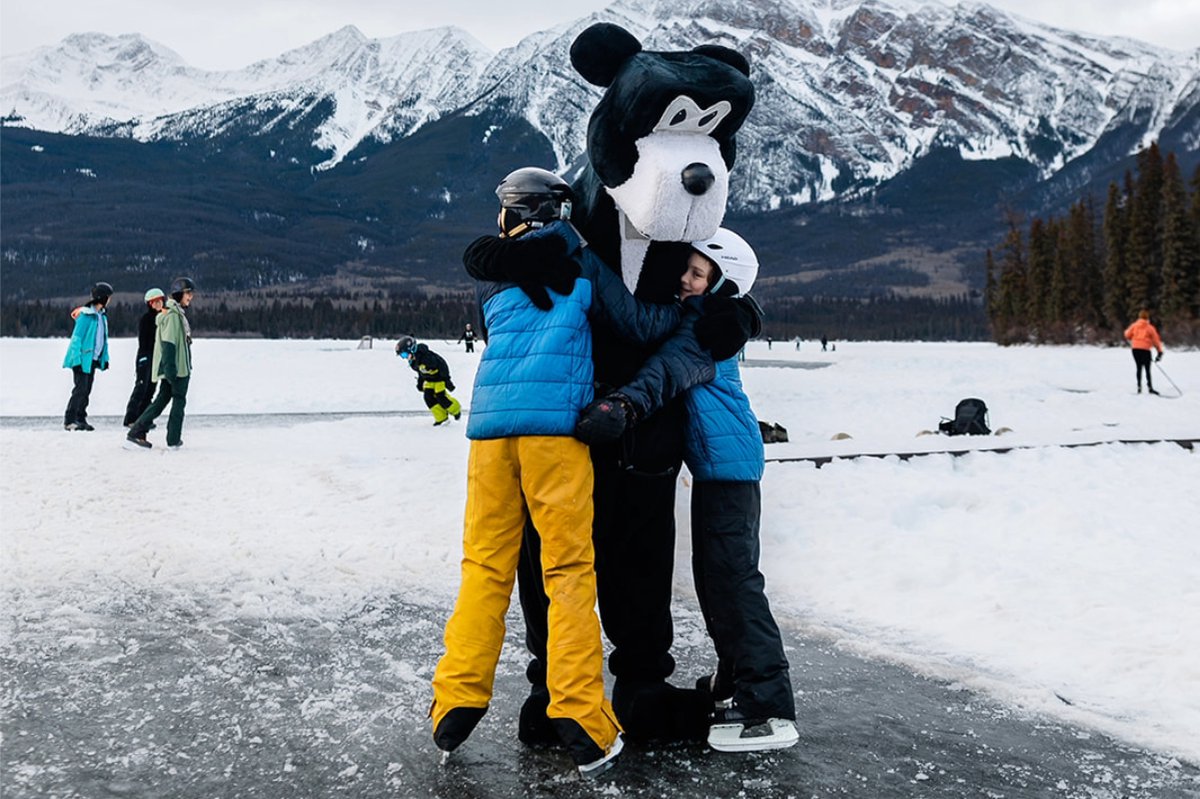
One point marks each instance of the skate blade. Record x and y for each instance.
(445, 758)
(132, 447)
(775, 734)
(597, 767)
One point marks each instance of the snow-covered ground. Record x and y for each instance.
(1044, 576)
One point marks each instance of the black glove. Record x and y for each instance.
(532, 263)
(604, 420)
(727, 324)
(1159, 358)
(420, 384)
(449, 385)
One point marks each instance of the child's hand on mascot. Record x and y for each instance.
(534, 263)
(727, 324)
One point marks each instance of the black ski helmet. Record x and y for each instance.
(101, 292)
(180, 285)
(531, 197)
(405, 346)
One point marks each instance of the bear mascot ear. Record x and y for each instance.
(599, 52)
(731, 57)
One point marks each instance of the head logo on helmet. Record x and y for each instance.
(530, 198)
(734, 258)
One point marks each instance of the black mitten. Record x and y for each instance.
(1159, 358)
(449, 385)
(727, 324)
(531, 263)
(604, 420)
(538, 295)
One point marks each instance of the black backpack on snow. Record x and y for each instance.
(970, 419)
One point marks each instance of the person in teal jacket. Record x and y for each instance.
(87, 354)
(172, 367)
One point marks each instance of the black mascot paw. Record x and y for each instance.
(727, 324)
(604, 420)
(534, 263)
(658, 711)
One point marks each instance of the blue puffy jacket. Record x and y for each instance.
(81, 351)
(722, 440)
(535, 375)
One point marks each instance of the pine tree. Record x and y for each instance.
(1144, 246)
(1040, 273)
(1180, 258)
(1195, 214)
(1084, 295)
(1116, 235)
(1013, 281)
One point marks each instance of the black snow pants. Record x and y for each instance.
(143, 393)
(1141, 360)
(81, 392)
(730, 587)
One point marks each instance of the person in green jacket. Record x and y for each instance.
(172, 367)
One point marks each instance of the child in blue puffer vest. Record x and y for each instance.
(534, 378)
(752, 691)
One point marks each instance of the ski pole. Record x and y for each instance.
(1178, 390)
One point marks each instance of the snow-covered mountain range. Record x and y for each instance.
(850, 92)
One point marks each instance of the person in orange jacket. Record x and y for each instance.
(1143, 337)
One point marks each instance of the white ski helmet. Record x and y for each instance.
(734, 257)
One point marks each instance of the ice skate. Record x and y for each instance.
(734, 732)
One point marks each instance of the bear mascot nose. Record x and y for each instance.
(697, 178)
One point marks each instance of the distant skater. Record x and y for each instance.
(87, 354)
(468, 338)
(824, 343)
(1143, 337)
(433, 379)
(144, 382)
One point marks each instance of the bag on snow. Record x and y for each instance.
(970, 419)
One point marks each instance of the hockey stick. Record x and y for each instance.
(1178, 390)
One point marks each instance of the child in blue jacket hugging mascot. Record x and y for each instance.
(751, 689)
(534, 379)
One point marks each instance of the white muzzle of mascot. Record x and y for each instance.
(679, 185)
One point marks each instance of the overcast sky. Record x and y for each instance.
(228, 34)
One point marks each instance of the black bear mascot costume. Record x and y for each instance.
(660, 145)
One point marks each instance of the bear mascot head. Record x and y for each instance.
(660, 145)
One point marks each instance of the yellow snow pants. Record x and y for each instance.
(550, 479)
(440, 404)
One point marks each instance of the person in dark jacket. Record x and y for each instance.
(143, 386)
(433, 379)
(86, 354)
(724, 452)
(468, 337)
(171, 367)
(534, 378)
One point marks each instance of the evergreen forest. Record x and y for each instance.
(1085, 276)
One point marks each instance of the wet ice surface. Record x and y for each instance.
(142, 696)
